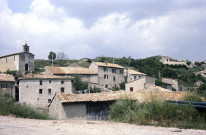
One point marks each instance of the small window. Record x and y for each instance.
(105, 69)
(6, 60)
(121, 71)
(62, 90)
(4, 85)
(131, 88)
(114, 79)
(113, 70)
(106, 85)
(40, 91)
(62, 82)
(135, 77)
(49, 91)
(14, 58)
(40, 82)
(49, 81)
(49, 100)
(105, 76)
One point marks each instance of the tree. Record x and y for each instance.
(78, 84)
(52, 56)
(62, 58)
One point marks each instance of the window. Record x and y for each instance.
(49, 91)
(135, 77)
(113, 70)
(62, 82)
(49, 100)
(105, 69)
(62, 90)
(121, 71)
(106, 85)
(40, 91)
(49, 81)
(40, 82)
(26, 67)
(131, 88)
(4, 85)
(105, 76)
(14, 58)
(114, 78)
(6, 60)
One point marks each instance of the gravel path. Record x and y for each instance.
(19, 126)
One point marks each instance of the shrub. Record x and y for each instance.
(192, 97)
(156, 112)
(7, 106)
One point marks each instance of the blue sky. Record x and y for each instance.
(117, 28)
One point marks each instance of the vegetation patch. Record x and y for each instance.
(157, 113)
(7, 107)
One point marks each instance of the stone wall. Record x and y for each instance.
(150, 80)
(171, 81)
(10, 90)
(29, 91)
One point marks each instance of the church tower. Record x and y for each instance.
(26, 48)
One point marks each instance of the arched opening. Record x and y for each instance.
(26, 67)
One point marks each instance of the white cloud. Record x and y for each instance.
(50, 28)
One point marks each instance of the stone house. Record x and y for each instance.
(109, 75)
(202, 73)
(22, 61)
(85, 74)
(7, 85)
(38, 89)
(170, 61)
(132, 75)
(136, 85)
(173, 82)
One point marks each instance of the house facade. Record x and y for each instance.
(38, 90)
(22, 61)
(173, 82)
(109, 75)
(132, 75)
(7, 85)
(136, 85)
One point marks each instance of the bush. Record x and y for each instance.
(7, 106)
(156, 113)
(192, 97)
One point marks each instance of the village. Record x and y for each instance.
(53, 89)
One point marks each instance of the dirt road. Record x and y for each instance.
(20, 126)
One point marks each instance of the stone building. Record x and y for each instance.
(170, 61)
(109, 75)
(136, 85)
(7, 85)
(132, 75)
(173, 82)
(85, 74)
(22, 61)
(38, 89)
(202, 73)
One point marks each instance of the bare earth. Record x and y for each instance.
(19, 126)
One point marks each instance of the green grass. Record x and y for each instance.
(157, 113)
(7, 107)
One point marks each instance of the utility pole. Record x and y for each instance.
(52, 59)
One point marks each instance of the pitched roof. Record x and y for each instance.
(70, 70)
(15, 54)
(133, 72)
(43, 76)
(6, 78)
(139, 96)
(105, 64)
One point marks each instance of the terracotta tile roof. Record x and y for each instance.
(139, 96)
(133, 72)
(6, 78)
(43, 76)
(70, 70)
(104, 64)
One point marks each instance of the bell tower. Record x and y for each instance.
(26, 48)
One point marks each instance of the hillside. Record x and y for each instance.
(150, 66)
